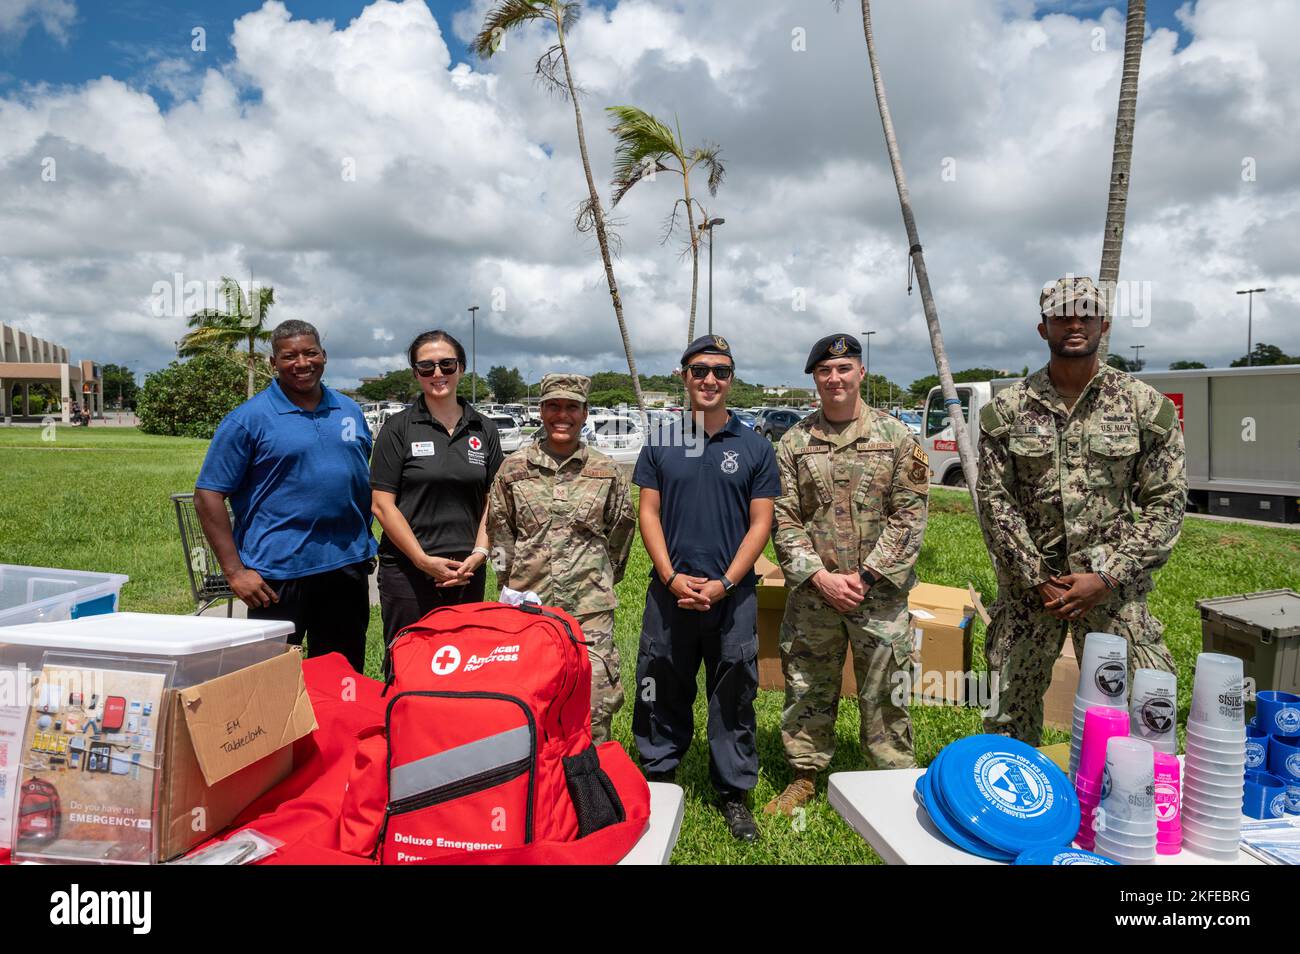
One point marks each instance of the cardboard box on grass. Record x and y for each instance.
(1058, 703)
(941, 617)
(229, 740)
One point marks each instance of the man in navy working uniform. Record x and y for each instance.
(295, 462)
(708, 487)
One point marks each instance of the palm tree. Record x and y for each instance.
(647, 146)
(507, 15)
(1112, 242)
(964, 447)
(242, 323)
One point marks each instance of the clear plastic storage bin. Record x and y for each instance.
(37, 594)
(203, 647)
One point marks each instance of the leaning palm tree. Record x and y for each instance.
(507, 15)
(242, 324)
(964, 447)
(1125, 119)
(647, 146)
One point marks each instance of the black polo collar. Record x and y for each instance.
(470, 418)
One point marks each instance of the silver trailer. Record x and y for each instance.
(1241, 426)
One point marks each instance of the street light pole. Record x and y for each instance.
(1137, 366)
(867, 335)
(473, 347)
(1250, 309)
(709, 226)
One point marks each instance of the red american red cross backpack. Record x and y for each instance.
(487, 740)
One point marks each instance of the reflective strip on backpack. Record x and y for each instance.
(462, 762)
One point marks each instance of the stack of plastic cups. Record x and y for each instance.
(1153, 709)
(1126, 818)
(1213, 784)
(1103, 681)
(1169, 823)
(1100, 725)
(1278, 714)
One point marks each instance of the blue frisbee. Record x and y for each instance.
(1006, 794)
(935, 810)
(1061, 856)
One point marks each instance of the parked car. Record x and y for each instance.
(512, 438)
(617, 436)
(912, 419)
(776, 421)
(749, 420)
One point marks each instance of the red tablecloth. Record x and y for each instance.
(303, 811)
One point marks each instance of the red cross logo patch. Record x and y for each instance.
(445, 661)
(475, 443)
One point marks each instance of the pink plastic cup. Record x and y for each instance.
(1168, 782)
(1100, 724)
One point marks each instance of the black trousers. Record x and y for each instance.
(406, 595)
(331, 610)
(673, 643)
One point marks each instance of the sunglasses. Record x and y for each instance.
(701, 371)
(448, 366)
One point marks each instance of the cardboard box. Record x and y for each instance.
(229, 740)
(941, 618)
(1058, 703)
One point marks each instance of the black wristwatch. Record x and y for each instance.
(869, 578)
(727, 585)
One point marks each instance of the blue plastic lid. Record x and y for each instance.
(1061, 856)
(1006, 793)
(935, 809)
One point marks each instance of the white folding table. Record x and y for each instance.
(655, 847)
(882, 807)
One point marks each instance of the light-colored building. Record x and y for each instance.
(26, 360)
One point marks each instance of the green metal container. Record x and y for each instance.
(1262, 629)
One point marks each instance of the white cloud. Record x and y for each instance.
(382, 189)
(54, 16)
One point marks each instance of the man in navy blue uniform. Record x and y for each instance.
(295, 462)
(708, 488)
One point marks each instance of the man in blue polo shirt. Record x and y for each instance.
(295, 462)
(708, 488)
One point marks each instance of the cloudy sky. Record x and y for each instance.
(358, 158)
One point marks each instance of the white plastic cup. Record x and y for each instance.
(1128, 785)
(1124, 854)
(1217, 698)
(1153, 709)
(1103, 671)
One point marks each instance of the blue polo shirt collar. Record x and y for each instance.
(282, 404)
(733, 425)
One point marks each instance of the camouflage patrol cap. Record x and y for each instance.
(1070, 296)
(565, 387)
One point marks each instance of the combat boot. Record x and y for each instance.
(799, 791)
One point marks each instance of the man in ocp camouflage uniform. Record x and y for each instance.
(561, 524)
(849, 525)
(1081, 492)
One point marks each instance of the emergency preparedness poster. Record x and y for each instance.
(90, 758)
(15, 685)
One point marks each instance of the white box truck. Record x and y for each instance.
(1241, 427)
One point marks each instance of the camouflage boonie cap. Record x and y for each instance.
(565, 387)
(1070, 296)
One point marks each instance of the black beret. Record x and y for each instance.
(833, 346)
(708, 344)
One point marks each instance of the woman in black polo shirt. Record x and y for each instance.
(432, 466)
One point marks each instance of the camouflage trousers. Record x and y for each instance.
(1022, 643)
(814, 638)
(606, 679)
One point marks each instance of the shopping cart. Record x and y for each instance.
(207, 582)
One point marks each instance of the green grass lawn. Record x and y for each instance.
(98, 500)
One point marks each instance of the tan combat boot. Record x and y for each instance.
(800, 790)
